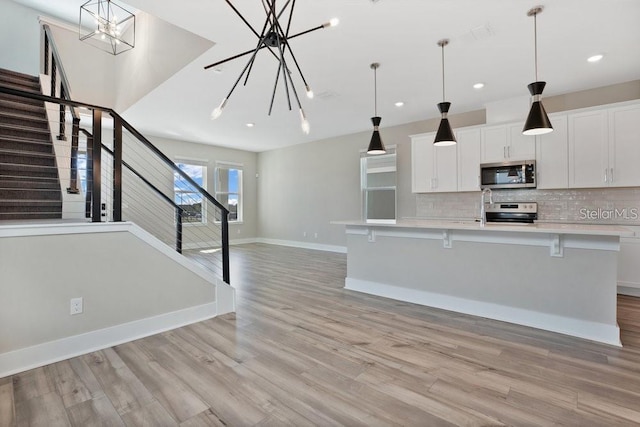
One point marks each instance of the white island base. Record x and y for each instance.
(560, 278)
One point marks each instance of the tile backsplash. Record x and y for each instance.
(602, 206)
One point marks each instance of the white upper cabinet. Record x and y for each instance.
(624, 146)
(521, 147)
(422, 164)
(468, 159)
(552, 155)
(504, 143)
(433, 169)
(588, 149)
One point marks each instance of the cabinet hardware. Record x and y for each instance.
(605, 175)
(611, 177)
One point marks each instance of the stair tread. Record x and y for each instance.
(28, 117)
(5, 72)
(26, 153)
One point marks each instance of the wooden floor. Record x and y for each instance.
(302, 351)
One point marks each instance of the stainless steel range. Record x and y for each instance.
(523, 213)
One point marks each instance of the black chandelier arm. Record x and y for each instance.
(295, 61)
(293, 5)
(275, 86)
(285, 70)
(255, 52)
(319, 27)
(295, 92)
(242, 17)
(262, 36)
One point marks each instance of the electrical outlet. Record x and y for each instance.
(315, 235)
(304, 234)
(76, 306)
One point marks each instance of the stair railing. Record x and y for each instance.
(148, 176)
(52, 67)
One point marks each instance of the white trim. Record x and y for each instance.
(600, 332)
(632, 291)
(303, 245)
(494, 235)
(54, 351)
(232, 165)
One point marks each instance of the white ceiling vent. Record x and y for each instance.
(327, 94)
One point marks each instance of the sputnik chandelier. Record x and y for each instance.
(275, 38)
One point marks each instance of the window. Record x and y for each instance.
(186, 196)
(378, 186)
(228, 181)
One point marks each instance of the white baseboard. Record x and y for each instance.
(303, 245)
(599, 332)
(54, 351)
(631, 291)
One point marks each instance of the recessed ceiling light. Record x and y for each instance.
(250, 125)
(399, 104)
(478, 85)
(595, 58)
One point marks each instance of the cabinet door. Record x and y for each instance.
(468, 159)
(446, 168)
(624, 146)
(521, 147)
(422, 163)
(494, 144)
(588, 149)
(552, 159)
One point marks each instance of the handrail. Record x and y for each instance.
(63, 76)
(131, 129)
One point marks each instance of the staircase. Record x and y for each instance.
(29, 184)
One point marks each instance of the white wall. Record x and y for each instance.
(19, 32)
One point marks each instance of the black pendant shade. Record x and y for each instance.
(376, 146)
(537, 121)
(445, 135)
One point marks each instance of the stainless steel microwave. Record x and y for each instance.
(517, 174)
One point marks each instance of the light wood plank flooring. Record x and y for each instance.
(302, 351)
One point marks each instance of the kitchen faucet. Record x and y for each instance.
(483, 211)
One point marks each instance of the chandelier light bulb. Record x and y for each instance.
(333, 22)
(309, 92)
(217, 112)
(304, 123)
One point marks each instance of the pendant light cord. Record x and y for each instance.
(443, 97)
(375, 91)
(535, 42)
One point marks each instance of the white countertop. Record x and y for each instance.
(550, 228)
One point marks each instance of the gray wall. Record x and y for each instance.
(19, 32)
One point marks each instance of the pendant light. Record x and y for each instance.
(537, 121)
(444, 136)
(375, 146)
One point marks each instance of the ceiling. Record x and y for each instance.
(491, 42)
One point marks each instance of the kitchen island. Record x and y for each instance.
(556, 277)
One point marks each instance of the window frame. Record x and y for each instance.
(204, 164)
(216, 184)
